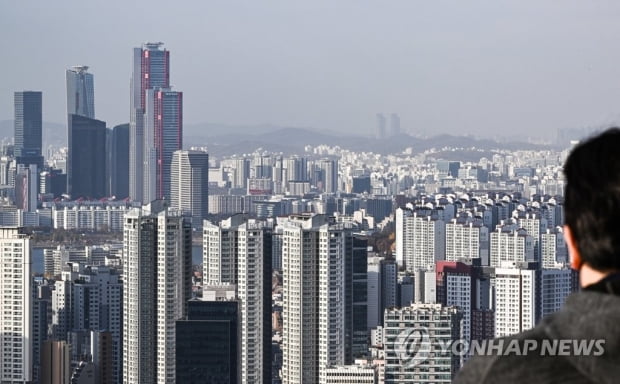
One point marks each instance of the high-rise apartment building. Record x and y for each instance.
(314, 331)
(238, 251)
(436, 325)
(157, 285)
(80, 92)
(89, 298)
(420, 238)
(517, 295)
(535, 225)
(467, 238)
(329, 180)
(459, 285)
(510, 244)
(16, 307)
(382, 293)
(553, 251)
(86, 163)
(28, 127)
(189, 189)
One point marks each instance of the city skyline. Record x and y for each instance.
(496, 70)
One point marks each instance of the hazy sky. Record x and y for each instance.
(467, 67)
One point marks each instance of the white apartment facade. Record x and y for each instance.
(16, 307)
(156, 287)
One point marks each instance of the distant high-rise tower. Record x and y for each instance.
(28, 128)
(80, 92)
(151, 69)
(189, 185)
(163, 134)
(381, 126)
(16, 307)
(86, 163)
(394, 124)
(157, 246)
(329, 168)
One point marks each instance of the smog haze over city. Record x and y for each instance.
(507, 69)
(331, 192)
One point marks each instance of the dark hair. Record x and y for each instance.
(592, 199)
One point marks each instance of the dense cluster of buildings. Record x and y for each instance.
(316, 267)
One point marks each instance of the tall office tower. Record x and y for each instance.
(119, 162)
(238, 251)
(314, 276)
(157, 246)
(163, 134)
(555, 286)
(517, 295)
(151, 69)
(330, 175)
(41, 320)
(553, 251)
(394, 124)
(382, 277)
(381, 126)
(15, 307)
(509, 244)
(207, 342)
(189, 189)
(535, 226)
(28, 128)
(55, 363)
(356, 300)
(80, 92)
(467, 238)
(420, 239)
(438, 324)
(86, 163)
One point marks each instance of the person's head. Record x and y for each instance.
(592, 202)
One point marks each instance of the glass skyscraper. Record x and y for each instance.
(28, 127)
(80, 92)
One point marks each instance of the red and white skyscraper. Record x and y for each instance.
(155, 129)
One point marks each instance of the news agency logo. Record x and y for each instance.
(413, 346)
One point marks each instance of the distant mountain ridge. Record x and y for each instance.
(223, 139)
